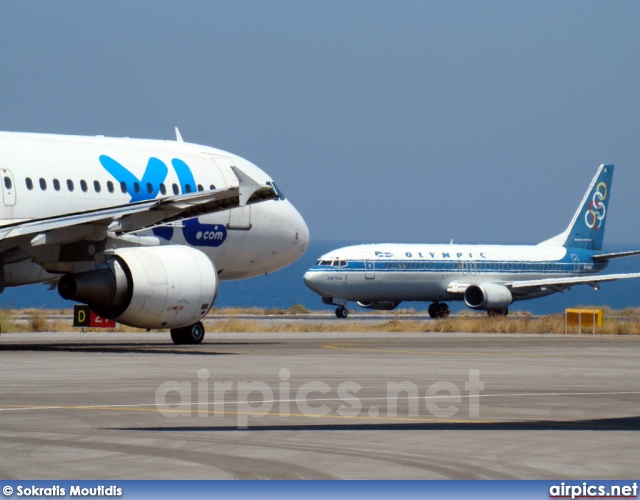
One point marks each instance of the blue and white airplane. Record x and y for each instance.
(140, 230)
(485, 277)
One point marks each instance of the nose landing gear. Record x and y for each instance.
(342, 312)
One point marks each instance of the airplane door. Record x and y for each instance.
(240, 218)
(8, 188)
(369, 267)
(576, 263)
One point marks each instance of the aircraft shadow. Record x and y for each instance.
(606, 424)
(119, 348)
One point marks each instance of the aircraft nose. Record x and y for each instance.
(302, 233)
(299, 231)
(311, 279)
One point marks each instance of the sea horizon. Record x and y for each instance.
(283, 289)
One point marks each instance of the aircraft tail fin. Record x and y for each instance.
(586, 229)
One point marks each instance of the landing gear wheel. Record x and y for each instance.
(498, 312)
(342, 312)
(444, 310)
(195, 333)
(188, 335)
(438, 310)
(178, 336)
(433, 310)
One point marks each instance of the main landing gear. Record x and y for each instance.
(342, 312)
(188, 335)
(498, 312)
(438, 310)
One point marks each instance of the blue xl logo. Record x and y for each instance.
(148, 187)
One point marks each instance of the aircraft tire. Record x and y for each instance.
(433, 310)
(178, 336)
(342, 312)
(498, 312)
(443, 310)
(195, 333)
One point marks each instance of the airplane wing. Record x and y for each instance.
(564, 283)
(94, 224)
(616, 255)
(557, 284)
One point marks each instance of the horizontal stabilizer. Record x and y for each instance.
(615, 255)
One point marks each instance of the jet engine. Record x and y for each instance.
(148, 287)
(488, 296)
(385, 305)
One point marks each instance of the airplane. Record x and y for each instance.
(485, 277)
(140, 230)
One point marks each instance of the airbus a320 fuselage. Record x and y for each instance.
(140, 230)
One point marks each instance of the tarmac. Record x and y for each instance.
(319, 406)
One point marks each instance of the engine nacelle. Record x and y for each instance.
(148, 287)
(385, 305)
(487, 296)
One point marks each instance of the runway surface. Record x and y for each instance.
(318, 405)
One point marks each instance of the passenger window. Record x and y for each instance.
(163, 189)
(96, 186)
(43, 184)
(200, 188)
(123, 187)
(212, 187)
(110, 186)
(56, 184)
(29, 183)
(70, 185)
(136, 187)
(149, 188)
(187, 188)
(83, 186)
(175, 189)
(7, 183)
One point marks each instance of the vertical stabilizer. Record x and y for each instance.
(587, 226)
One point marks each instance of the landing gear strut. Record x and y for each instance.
(342, 312)
(438, 310)
(188, 335)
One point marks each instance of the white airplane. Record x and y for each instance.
(140, 230)
(485, 277)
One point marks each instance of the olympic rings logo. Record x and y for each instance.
(596, 210)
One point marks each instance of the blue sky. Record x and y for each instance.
(381, 120)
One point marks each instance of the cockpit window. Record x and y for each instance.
(332, 263)
(276, 189)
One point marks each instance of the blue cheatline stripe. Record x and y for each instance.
(422, 266)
